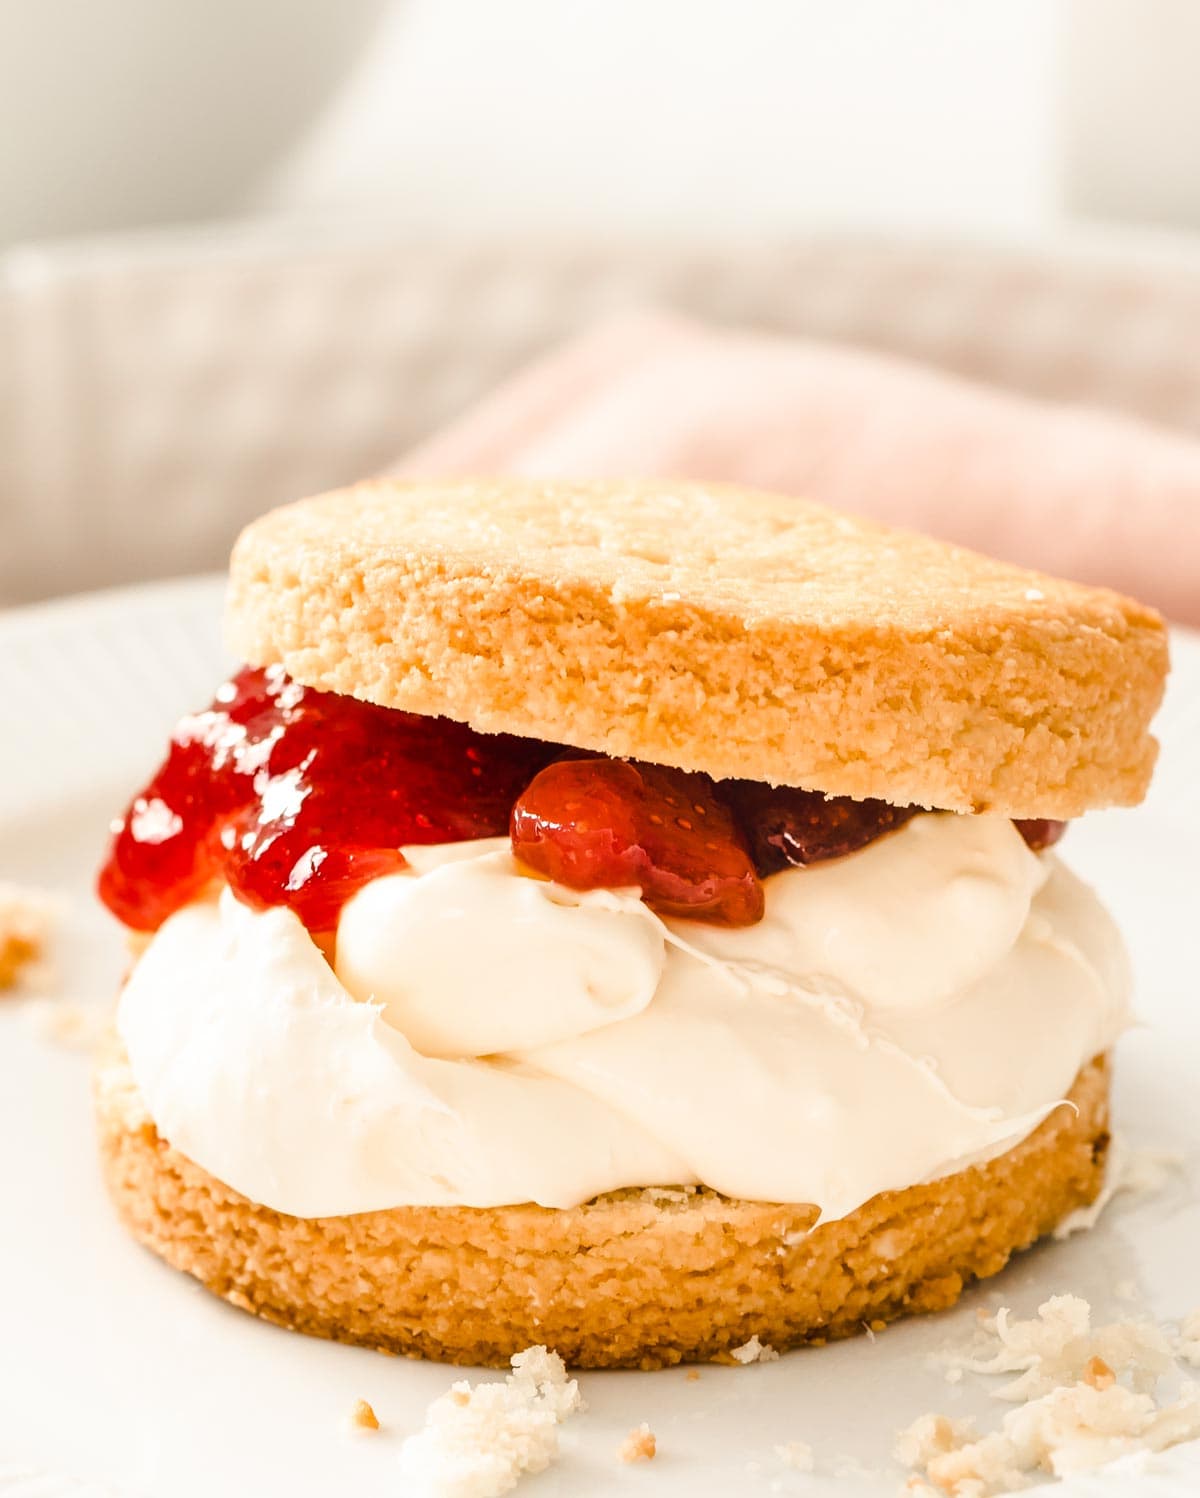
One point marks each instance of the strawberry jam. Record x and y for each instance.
(606, 823)
(791, 828)
(297, 797)
(1040, 832)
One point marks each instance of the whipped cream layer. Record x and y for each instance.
(491, 1038)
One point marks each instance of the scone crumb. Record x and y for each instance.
(1097, 1374)
(363, 1417)
(1084, 1396)
(1187, 1343)
(929, 1437)
(26, 921)
(74, 1026)
(639, 1445)
(692, 1375)
(479, 1442)
(754, 1351)
(1054, 1347)
(796, 1454)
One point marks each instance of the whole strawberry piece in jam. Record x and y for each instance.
(788, 828)
(598, 823)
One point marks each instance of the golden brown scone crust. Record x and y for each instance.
(713, 628)
(635, 1279)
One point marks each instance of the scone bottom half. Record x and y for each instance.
(637, 1279)
(575, 674)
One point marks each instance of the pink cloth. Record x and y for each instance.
(1080, 492)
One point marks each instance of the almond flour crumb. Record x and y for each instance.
(478, 1442)
(1084, 1397)
(1138, 1171)
(796, 1454)
(363, 1417)
(1072, 1429)
(27, 918)
(74, 1026)
(639, 1445)
(1054, 1347)
(1187, 1343)
(754, 1351)
(930, 1436)
(1097, 1374)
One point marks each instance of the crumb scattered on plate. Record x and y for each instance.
(74, 1026)
(1097, 1374)
(477, 1442)
(27, 918)
(1083, 1397)
(796, 1454)
(754, 1351)
(639, 1445)
(363, 1417)
(1187, 1343)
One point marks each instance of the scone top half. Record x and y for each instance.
(716, 629)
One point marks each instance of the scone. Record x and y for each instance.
(621, 916)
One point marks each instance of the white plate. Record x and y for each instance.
(116, 1370)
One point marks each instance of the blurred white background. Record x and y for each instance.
(693, 117)
(632, 117)
(249, 248)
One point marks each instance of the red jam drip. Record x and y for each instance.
(297, 797)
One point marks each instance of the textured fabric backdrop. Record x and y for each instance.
(154, 395)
